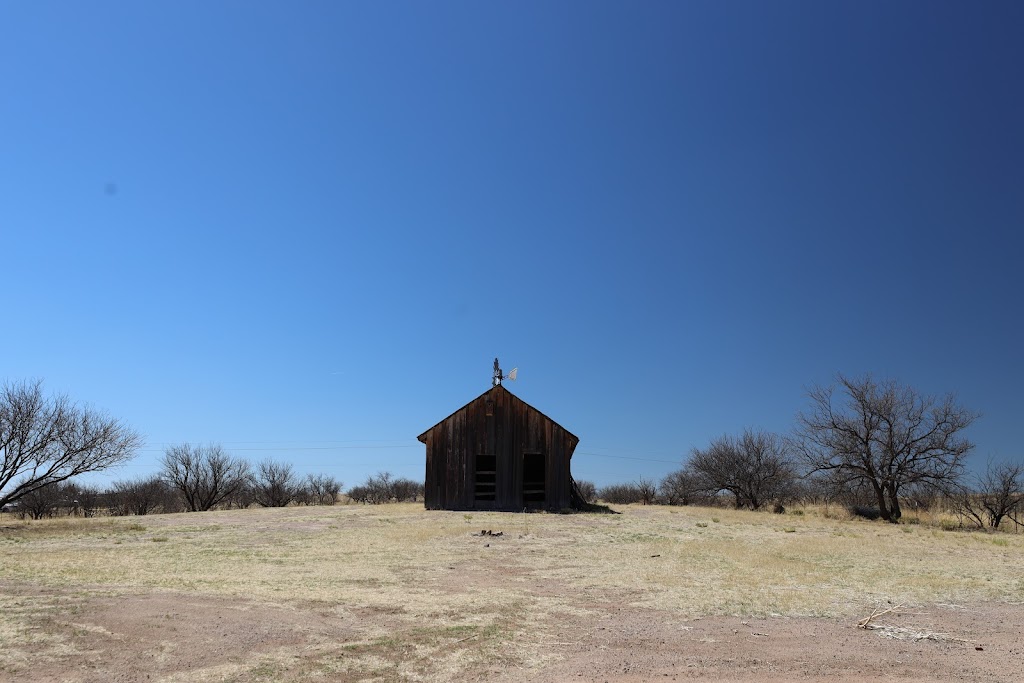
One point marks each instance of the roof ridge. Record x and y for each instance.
(496, 386)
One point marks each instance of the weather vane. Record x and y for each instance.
(497, 376)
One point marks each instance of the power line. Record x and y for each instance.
(628, 457)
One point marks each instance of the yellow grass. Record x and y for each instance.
(437, 584)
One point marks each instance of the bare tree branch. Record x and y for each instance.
(205, 475)
(275, 484)
(322, 489)
(888, 435)
(757, 468)
(47, 440)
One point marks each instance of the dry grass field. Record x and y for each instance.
(396, 593)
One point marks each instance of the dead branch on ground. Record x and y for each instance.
(866, 622)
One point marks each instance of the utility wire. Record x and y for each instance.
(628, 457)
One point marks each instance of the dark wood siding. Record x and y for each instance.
(512, 429)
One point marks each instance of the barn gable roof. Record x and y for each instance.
(492, 390)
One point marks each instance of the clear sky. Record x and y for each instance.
(305, 229)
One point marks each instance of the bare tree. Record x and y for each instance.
(886, 434)
(360, 494)
(405, 489)
(648, 491)
(40, 502)
(620, 494)
(139, 496)
(756, 468)
(83, 500)
(243, 497)
(383, 487)
(322, 489)
(963, 502)
(205, 475)
(921, 497)
(587, 490)
(998, 494)
(46, 440)
(681, 487)
(375, 490)
(1002, 491)
(275, 484)
(379, 486)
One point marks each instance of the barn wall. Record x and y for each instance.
(512, 429)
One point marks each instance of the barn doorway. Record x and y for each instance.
(534, 480)
(485, 487)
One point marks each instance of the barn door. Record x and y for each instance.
(534, 480)
(485, 479)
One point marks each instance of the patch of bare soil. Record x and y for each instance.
(626, 644)
(981, 642)
(174, 636)
(154, 636)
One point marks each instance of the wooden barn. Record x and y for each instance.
(498, 453)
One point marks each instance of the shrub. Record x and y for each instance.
(865, 512)
(404, 489)
(275, 484)
(756, 468)
(40, 503)
(587, 490)
(620, 494)
(382, 488)
(321, 489)
(141, 497)
(681, 487)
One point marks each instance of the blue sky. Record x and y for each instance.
(304, 230)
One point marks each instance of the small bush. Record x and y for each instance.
(681, 487)
(587, 490)
(141, 496)
(620, 494)
(275, 484)
(865, 512)
(321, 489)
(383, 488)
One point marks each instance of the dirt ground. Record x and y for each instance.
(172, 636)
(976, 643)
(392, 594)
